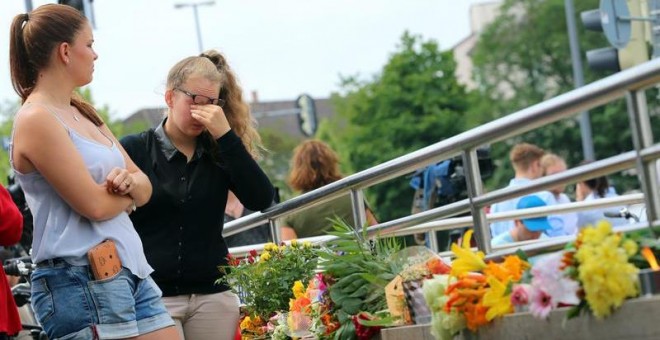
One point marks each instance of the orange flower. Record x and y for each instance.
(330, 324)
(300, 304)
(475, 315)
(437, 266)
(512, 268)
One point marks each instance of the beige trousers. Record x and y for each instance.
(204, 316)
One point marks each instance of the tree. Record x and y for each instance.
(413, 102)
(522, 59)
(275, 162)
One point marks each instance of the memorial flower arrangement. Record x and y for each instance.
(310, 311)
(595, 273)
(264, 281)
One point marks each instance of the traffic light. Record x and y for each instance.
(307, 119)
(620, 21)
(84, 6)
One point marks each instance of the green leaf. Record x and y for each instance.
(351, 305)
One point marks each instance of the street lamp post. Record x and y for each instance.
(194, 5)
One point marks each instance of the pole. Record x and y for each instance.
(578, 79)
(199, 31)
(194, 6)
(28, 6)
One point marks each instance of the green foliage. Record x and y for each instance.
(275, 162)
(266, 281)
(7, 111)
(361, 269)
(522, 59)
(413, 102)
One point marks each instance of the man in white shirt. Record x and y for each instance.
(526, 161)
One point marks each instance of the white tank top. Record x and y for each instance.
(60, 232)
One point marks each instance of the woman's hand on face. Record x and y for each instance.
(119, 181)
(213, 117)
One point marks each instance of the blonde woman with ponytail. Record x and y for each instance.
(205, 146)
(80, 186)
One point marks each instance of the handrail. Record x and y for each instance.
(466, 221)
(597, 93)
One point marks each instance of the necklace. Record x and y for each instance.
(71, 109)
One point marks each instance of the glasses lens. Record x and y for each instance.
(202, 100)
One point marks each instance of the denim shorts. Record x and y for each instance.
(70, 304)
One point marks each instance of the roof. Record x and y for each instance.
(277, 115)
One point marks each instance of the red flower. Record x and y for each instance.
(364, 332)
(232, 260)
(253, 253)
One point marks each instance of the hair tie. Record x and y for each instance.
(27, 16)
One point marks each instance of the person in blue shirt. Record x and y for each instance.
(527, 228)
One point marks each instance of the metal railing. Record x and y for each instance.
(629, 83)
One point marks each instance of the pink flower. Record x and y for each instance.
(547, 274)
(541, 303)
(321, 284)
(520, 294)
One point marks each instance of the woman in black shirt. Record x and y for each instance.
(205, 147)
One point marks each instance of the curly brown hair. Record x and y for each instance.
(314, 164)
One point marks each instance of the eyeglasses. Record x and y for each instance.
(202, 100)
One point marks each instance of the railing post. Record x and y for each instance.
(474, 189)
(275, 231)
(359, 215)
(642, 136)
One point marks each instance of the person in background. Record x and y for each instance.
(526, 161)
(11, 227)
(79, 184)
(256, 235)
(527, 228)
(566, 223)
(593, 189)
(205, 147)
(315, 164)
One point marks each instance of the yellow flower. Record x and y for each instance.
(604, 269)
(246, 323)
(282, 247)
(307, 244)
(466, 260)
(298, 289)
(294, 243)
(264, 256)
(269, 246)
(496, 299)
(630, 247)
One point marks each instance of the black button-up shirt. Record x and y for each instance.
(181, 225)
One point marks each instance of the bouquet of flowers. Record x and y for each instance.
(310, 311)
(474, 293)
(264, 281)
(595, 272)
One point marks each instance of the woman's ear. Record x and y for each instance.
(169, 98)
(63, 52)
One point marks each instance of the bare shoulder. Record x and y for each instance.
(35, 118)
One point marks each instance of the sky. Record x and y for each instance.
(278, 48)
